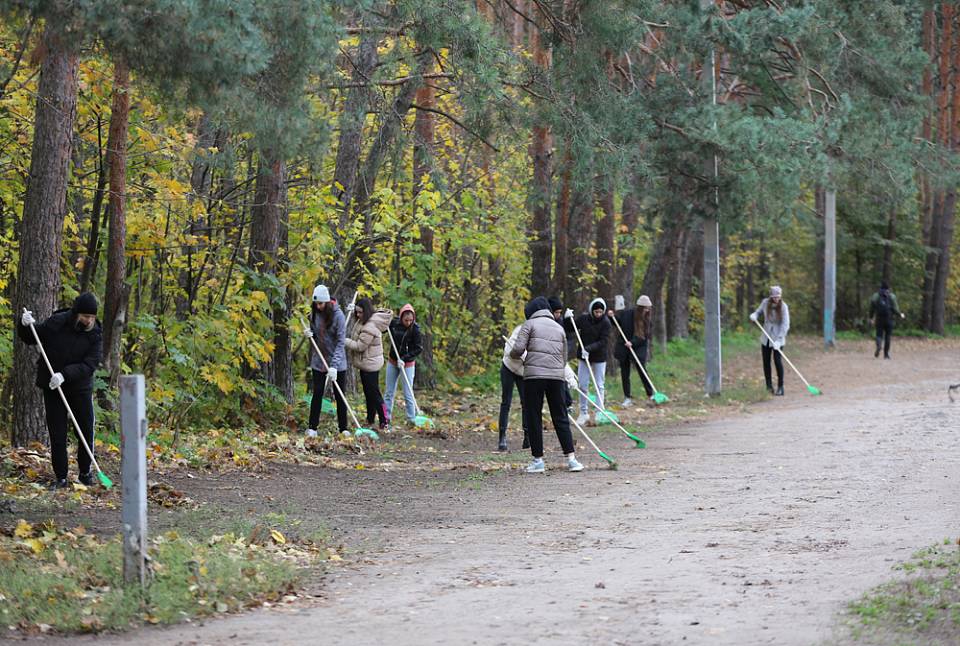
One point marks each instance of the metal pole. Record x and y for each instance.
(711, 246)
(829, 268)
(133, 469)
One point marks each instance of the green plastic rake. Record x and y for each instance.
(611, 418)
(101, 476)
(610, 461)
(420, 420)
(658, 397)
(810, 387)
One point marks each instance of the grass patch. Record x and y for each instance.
(922, 608)
(53, 580)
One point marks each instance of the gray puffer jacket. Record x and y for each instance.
(330, 341)
(366, 342)
(544, 341)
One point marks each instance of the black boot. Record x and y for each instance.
(876, 352)
(779, 392)
(770, 387)
(59, 483)
(526, 441)
(86, 479)
(502, 444)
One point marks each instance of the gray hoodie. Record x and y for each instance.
(331, 341)
(776, 329)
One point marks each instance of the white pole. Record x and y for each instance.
(133, 472)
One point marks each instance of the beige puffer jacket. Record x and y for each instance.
(513, 365)
(545, 343)
(366, 341)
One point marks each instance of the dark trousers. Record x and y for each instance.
(884, 332)
(507, 381)
(319, 379)
(57, 423)
(625, 374)
(777, 361)
(534, 391)
(371, 393)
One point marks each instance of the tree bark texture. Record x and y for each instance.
(424, 128)
(541, 145)
(606, 224)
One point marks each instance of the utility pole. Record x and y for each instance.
(711, 243)
(829, 267)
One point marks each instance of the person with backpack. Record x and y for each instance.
(327, 326)
(883, 309)
(776, 323)
(541, 345)
(594, 328)
(511, 376)
(365, 346)
(409, 343)
(637, 324)
(73, 340)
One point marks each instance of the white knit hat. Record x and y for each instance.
(776, 291)
(644, 301)
(321, 294)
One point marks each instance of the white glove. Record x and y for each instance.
(351, 307)
(56, 380)
(568, 313)
(902, 315)
(307, 332)
(332, 374)
(585, 355)
(27, 319)
(628, 344)
(777, 345)
(753, 317)
(571, 377)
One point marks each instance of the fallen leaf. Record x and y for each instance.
(23, 530)
(278, 538)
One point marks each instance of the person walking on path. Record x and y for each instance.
(638, 324)
(883, 309)
(328, 328)
(776, 322)
(73, 340)
(406, 334)
(594, 330)
(541, 345)
(366, 352)
(511, 375)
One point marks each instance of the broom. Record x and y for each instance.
(658, 397)
(101, 476)
(420, 420)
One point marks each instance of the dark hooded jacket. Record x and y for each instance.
(409, 340)
(76, 354)
(595, 334)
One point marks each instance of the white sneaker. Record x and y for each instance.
(536, 466)
(311, 432)
(627, 403)
(573, 464)
(583, 419)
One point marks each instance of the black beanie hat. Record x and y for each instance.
(85, 303)
(555, 303)
(534, 306)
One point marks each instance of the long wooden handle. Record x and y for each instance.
(782, 354)
(63, 398)
(403, 372)
(334, 381)
(635, 358)
(589, 368)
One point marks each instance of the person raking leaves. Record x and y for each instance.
(73, 341)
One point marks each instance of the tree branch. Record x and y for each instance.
(456, 121)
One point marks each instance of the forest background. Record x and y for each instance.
(202, 164)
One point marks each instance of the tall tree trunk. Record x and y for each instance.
(200, 181)
(581, 238)
(541, 145)
(424, 128)
(656, 272)
(114, 310)
(626, 241)
(44, 209)
(886, 272)
(604, 283)
(91, 259)
(283, 308)
(561, 251)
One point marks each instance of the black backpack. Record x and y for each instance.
(884, 305)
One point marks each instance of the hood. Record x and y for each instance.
(594, 302)
(381, 319)
(535, 305)
(408, 308)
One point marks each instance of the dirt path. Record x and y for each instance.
(755, 529)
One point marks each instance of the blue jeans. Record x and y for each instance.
(393, 375)
(583, 376)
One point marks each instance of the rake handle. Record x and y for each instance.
(635, 358)
(593, 379)
(334, 381)
(588, 438)
(790, 363)
(63, 398)
(403, 372)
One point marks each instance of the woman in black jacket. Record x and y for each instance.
(406, 334)
(637, 324)
(73, 341)
(594, 328)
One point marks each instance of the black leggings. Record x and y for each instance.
(533, 394)
(507, 381)
(319, 379)
(778, 362)
(371, 393)
(884, 332)
(57, 423)
(625, 372)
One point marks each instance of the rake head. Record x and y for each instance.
(327, 407)
(607, 417)
(366, 432)
(104, 480)
(660, 398)
(611, 463)
(813, 390)
(422, 421)
(640, 443)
